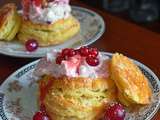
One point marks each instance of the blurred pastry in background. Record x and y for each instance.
(47, 22)
(10, 22)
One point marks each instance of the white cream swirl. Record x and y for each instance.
(50, 14)
(76, 66)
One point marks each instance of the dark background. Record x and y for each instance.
(124, 8)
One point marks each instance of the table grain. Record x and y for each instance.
(120, 36)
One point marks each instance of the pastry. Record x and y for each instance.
(132, 84)
(73, 89)
(10, 22)
(49, 23)
(83, 84)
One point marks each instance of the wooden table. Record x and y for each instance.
(120, 36)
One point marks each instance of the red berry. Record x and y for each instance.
(71, 53)
(43, 109)
(31, 45)
(92, 61)
(115, 112)
(65, 51)
(40, 116)
(25, 5)
(37, 2)
(68, 52)
(93, 52)
(84, 51)
(59, 59)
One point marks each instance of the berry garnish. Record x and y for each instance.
(65, 51)
(25, 6)
(68, 52)
(37, 3)
(92, 61)
(31, 45)
(115, 112)
(59, 59)
(93, 52)
(84, 51)
(43, 109)
(71, 53)
(89, 54)
(40, 116)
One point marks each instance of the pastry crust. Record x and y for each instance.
(49, 34)
(10, 22)
(76, 98)
(132, 84)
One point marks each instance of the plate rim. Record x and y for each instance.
(89, 41)
(105, 53)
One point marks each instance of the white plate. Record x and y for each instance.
(92, 28)
(19, 91)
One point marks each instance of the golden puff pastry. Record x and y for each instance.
(10, 22)
(76, 98)
(132, 84)
(49, 34)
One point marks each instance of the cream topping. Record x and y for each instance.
(54, 11)
(75, 66)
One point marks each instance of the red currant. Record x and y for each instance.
(65, 51)
(115, 112)
(71, 53)
(43, 109)
(31, 45)
(68, 52)
(84, 51)
(59, 59)
(40, 116)
(37, 2)
(93, 52)
(92, 61)
(25, 5)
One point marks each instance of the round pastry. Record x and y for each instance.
(49, 23)
(74, 90)
(10, 22)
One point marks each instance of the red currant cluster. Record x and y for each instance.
(41, 115)
(90, 55)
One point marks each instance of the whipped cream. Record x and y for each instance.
(76, 66)
(54, 11)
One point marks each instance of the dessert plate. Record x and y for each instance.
(92, 28)
(18, 95)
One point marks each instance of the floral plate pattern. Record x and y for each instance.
(92, 28)
(19, 91)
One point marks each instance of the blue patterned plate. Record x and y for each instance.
(92, 28)
(19, 91)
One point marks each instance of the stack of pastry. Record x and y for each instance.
(48, 22)
(80, 84)
(9, 23)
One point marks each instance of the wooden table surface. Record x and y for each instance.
(120, 36)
